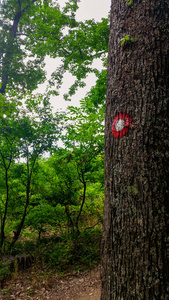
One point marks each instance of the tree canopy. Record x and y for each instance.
(30, 30)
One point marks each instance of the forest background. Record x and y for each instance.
(51, 163)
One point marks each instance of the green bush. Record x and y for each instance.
(71, 251)
(55, 252)
(87, 248)
(5, 271)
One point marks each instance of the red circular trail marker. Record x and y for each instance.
(121, 124)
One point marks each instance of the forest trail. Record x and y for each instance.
(95, 295)
(31, 285)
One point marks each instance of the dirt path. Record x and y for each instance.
(33, 285)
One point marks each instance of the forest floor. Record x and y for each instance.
(40, 285)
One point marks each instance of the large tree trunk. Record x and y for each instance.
(135, 246)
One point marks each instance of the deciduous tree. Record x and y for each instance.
(135, 248)
(26, 133)
(27, 30)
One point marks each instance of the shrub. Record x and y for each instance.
(73, 252)
(5, 271)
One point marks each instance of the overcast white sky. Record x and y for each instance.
(88, 9)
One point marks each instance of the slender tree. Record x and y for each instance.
(135, 247)
(37, 135)
(9, 151)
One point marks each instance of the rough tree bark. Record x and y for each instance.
(135, 245)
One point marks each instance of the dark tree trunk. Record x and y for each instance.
(9, 53)
(28, 186)
(135, 246)
(3, 218)
(82, 204)
(20, 226)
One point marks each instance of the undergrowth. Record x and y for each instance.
(67, 252)
(5, 271)
(70, 251)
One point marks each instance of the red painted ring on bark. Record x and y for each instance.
(121, 124)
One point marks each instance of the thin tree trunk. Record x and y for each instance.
(70, 221)
(29, 176)
(19, 229)
(82, 204)
(3, 217)
(6, 208)
(135, 245)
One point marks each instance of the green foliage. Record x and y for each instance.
(28, 132)
(72, 251)
(5, 271)
(127, 40)
(97, 94)
(56, 190)
(132, 189)
(129, 2)
(31, 30)
(44, 214)
(17, 72)
(78, 44)
(62, 194)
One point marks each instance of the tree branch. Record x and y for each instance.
(26, 7)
